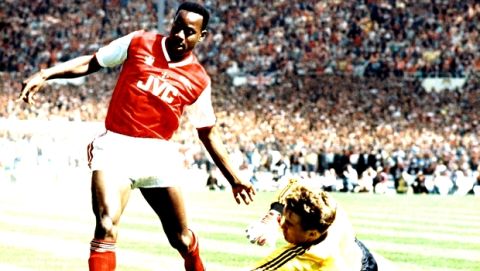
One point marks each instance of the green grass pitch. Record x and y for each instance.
(49, 227)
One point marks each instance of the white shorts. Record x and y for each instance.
(146, 162)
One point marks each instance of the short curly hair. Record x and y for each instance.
(196, 8)
(317, 210)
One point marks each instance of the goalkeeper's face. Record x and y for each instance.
(293, 231)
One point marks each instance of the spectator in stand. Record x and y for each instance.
(419, 185)
(476, 187)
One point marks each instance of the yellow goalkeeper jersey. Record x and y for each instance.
(337, 252)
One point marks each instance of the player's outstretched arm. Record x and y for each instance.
(76, 67)
(265, 230)
(242, 190)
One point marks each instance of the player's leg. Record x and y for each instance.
(168, 204)
(109, 197)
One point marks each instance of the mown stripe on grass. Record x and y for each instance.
(75, 231)
(151, 239)
(417, 219)
(406, 226)
(367, 221)
(76, 209)
(421, 241)
(137, 231)
(433, 252)
(26, 258)
(414, 261)
(9, 267)
(47, 226)
(454, 212)
(412, 267)
(73, 256)
(417, 233)
(222, 253)
(142, 222)
(405, 204)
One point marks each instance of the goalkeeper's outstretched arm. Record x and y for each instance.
(266, 230)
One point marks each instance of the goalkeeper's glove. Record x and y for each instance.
(265, 231)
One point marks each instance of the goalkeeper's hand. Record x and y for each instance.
(265, 231)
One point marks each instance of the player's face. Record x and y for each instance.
(186, 32)
(293, 231)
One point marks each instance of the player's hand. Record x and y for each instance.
(264, 231)
(31, 86)
(243, 192)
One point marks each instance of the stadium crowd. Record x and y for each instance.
(329, 90)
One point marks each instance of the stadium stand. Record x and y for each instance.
(314, 88)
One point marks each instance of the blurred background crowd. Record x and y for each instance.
(325, 90)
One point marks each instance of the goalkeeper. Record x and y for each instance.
(318, 232)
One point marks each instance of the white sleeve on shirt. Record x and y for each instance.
(201, 113)
(115, 52)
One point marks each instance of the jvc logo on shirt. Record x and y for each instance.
(159, 87)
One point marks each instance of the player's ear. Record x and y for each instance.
(203, 35)
(314, 234)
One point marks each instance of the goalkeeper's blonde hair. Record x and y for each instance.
(317, 209)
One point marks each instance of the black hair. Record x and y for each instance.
(196, 8)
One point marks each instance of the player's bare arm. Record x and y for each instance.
(242, 190)
(77, 67)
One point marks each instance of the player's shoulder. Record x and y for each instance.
(147, 34)
(198, 70)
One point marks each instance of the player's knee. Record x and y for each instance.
(106, 228)
(181, 242)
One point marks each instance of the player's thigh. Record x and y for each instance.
(110, 194)
(168, 204)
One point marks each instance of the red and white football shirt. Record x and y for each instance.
(151, 91)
